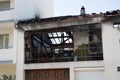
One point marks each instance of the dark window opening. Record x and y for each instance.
(116, 25)
(76, 44)
(49, 47)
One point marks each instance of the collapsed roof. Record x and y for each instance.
(65, 21)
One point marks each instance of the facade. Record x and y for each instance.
(33, 46)
(7, 40)
(10, 12)
(69, 47)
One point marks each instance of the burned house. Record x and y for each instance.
(64, 47)
(70, 42)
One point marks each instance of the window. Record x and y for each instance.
(4, 41)
(4, 5)
(116, 25)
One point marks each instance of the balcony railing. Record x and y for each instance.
(89, 52)
(7, 54)
(7, 14)
(84, 53)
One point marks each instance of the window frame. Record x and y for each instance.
(5, 41)
(116, 25)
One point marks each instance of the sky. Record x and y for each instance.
(72, 7)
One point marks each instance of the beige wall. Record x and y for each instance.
(9, 69)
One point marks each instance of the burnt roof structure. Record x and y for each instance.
(65, 21)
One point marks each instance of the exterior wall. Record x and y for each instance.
(21, 11)
(91, 74)
(106, 69)
(9, 69)
(73, 66)
(111, 50)
(8, 56)
(7, 15)
(39, 7)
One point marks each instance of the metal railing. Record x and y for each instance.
(65, 59)
(84, 53)
(88, 52)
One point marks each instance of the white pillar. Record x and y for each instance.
(72, 73)
(15, 44)
(20, 56)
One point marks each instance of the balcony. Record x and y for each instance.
(7, 55)
(6, 15)
(63, 46)
(84, 53)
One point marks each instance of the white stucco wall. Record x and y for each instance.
(7, 15)
(89, 75)
(103, 70)
(111, 50)
(26, 9)
(74, 67)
